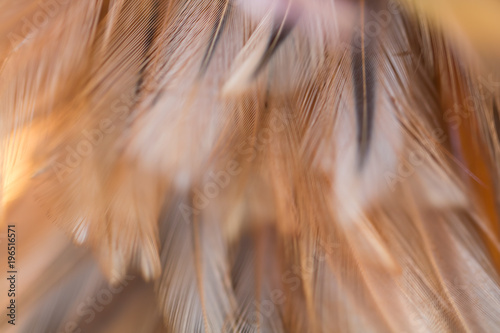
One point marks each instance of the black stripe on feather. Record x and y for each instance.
(364, 77)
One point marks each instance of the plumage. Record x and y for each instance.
(252, 166)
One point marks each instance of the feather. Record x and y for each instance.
(225, 8)
(252, 166)
(364, 86)
(281, 29)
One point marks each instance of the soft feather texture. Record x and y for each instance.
(266, 166)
